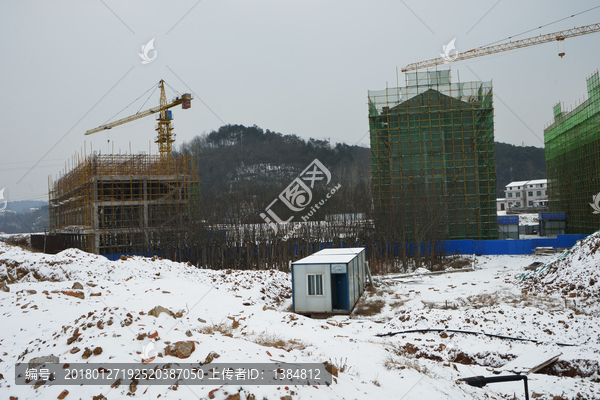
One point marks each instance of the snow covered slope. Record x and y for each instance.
(573, 274)
(83, 308)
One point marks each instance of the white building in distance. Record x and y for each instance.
(525, 194)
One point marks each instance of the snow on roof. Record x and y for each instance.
(331, 256)
(532, 182)
(348, 250)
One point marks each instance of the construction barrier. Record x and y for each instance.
(517, 246)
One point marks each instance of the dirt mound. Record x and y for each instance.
(574, 273)
(18, 265)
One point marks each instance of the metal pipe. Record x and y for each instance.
(469, 332)
(481, 381)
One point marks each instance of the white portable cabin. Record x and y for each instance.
(329, 281)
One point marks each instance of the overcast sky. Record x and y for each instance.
(293, 66)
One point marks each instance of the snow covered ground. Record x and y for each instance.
(243, 316)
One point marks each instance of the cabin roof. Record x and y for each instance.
(331, 256)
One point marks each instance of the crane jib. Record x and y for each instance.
(164, 129)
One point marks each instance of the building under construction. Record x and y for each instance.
(114, 204)
(432, 152)
(573, 161)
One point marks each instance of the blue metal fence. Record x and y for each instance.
(450, 247)
(520, 246)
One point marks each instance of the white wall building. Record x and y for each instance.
(500, 204)
(329, 281)
(523, 194)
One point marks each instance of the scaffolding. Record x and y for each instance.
(432, 145)
(573, 161)
(115, 204)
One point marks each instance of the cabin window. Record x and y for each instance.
(315, 284)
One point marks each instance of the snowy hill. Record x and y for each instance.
(83, 308)
(574, 274)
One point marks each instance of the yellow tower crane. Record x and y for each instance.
(483, 51)
(163, 128)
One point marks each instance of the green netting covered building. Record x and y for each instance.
(432, 154)
(573, 161)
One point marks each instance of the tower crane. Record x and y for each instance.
(483, 51)
(163, 128)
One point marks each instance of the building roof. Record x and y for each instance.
(532, 182)
(331, 256)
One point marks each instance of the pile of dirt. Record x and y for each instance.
(573, 274)
(18, 265)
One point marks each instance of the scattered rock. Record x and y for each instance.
(188, 333)
(133, 385)
(153, 335)
(77, 286)
(180, 349)
(99, 397)
(142, 336)
(201, 320)
(31, 291)
(4, 287)
(97, 351)
(75, 350)
(156, 311)
(211, 394)
(332, 369)
(86, 354)
(237, 397)
(286, 397)
(79, 295)
(34, 362)
(210, 357)
(63, 394)
(96, 294)
(38, 384)
(75, 336)
(72, 339)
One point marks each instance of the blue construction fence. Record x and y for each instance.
(516, 246)
(448, 247)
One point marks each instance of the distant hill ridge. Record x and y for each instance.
(239, 154)
(23, 206)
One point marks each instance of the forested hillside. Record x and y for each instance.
(516, 163)
(243, 169)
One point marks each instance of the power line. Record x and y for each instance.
(539, 27)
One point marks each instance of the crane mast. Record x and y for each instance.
(483, 51)
(164, 128)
